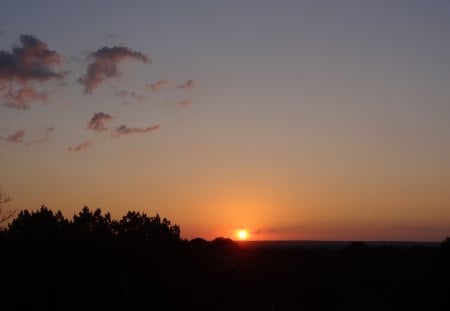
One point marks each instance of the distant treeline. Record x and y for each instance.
(44, 225)
(92, 262)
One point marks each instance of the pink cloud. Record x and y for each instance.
(125, 130)
(159, 85)
(98, 121)
(22, 98)
(104, 65)
(17, 137)
(80, 147)
(187, 85)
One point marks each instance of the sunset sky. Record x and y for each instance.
(326, 120)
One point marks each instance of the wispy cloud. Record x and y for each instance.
(98, 122)
(159, 85)
(17, 137)
(22, 98)
(125, 130)
(132, 94)
(266, 231)
(104, 63)
(187, 85)
(41, 140)
(80, 147)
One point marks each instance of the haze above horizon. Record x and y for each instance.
(291, 120)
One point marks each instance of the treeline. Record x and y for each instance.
(92, 262)
(45, 225)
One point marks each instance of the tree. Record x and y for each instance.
(90, 224)
(139, 227)
(5, 198)
(42, 224)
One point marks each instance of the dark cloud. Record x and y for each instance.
(98, 121)
(125, 130)
(104, 63)
(80, 147)
(17, 137)
(42, 140)
(187, 85)
(159, 85)
(30, 60)
(21, 98)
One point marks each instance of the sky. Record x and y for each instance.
(311, 120)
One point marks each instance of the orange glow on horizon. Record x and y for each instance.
(242, 234)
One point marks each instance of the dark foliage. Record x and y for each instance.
(92, 262)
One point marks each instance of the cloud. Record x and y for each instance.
(185, 102)
(125, 93)
(30, 60)
(80, 147)
(104, 65)
(266, 231)
(42, 140)
(137, 96)
(98, 121)
(125, 130)
(159, 85)
(187, 85)
(21, 98)
(17, 137)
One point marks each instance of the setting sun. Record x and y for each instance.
(242, 234)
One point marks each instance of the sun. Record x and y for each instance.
(242, 234)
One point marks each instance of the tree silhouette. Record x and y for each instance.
(139, 227)
(42, 225)
(92, 225)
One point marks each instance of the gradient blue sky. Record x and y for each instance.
(306, 119)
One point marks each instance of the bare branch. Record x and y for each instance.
(8, 215)
(4, 198)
